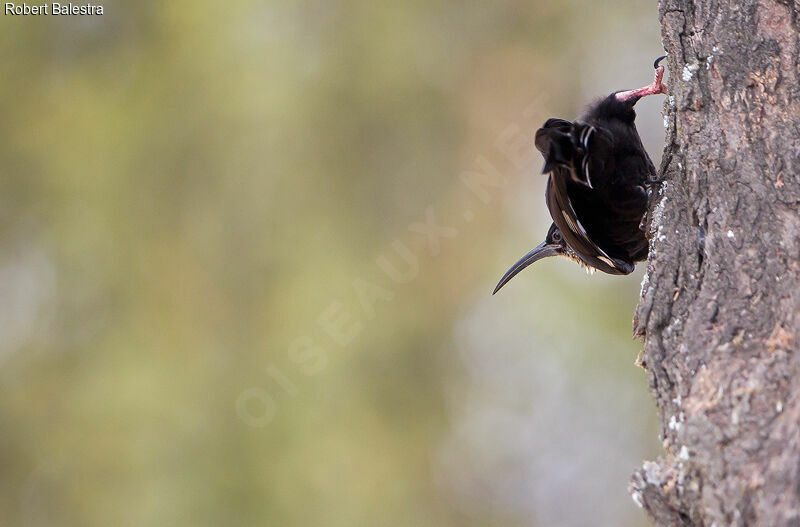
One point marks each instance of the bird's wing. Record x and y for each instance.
(563, 213)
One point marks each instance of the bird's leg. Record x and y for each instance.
(651, 89)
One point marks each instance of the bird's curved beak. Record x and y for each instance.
(543, 250)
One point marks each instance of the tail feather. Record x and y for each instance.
(574, 146)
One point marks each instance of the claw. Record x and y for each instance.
(655, 87)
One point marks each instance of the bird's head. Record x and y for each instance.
(553, 245)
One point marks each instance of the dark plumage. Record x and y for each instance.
(596, 191)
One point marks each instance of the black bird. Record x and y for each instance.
(597, 188)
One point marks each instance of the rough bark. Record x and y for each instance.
(720, 305)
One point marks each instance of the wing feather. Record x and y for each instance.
(563, 213)
(579, 147)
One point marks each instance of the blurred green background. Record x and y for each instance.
(219, 303)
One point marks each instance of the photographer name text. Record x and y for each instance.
(52, 9)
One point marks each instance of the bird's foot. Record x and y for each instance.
(654, 182)
(643, 224)
(656, 87)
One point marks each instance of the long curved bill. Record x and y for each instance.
(543, 250)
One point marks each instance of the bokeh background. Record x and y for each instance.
(219, 302)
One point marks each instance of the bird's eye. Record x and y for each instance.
(556, 236)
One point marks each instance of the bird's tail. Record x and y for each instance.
(567, 144)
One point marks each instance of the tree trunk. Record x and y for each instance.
(720, 305)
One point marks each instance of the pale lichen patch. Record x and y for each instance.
(688, 71)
